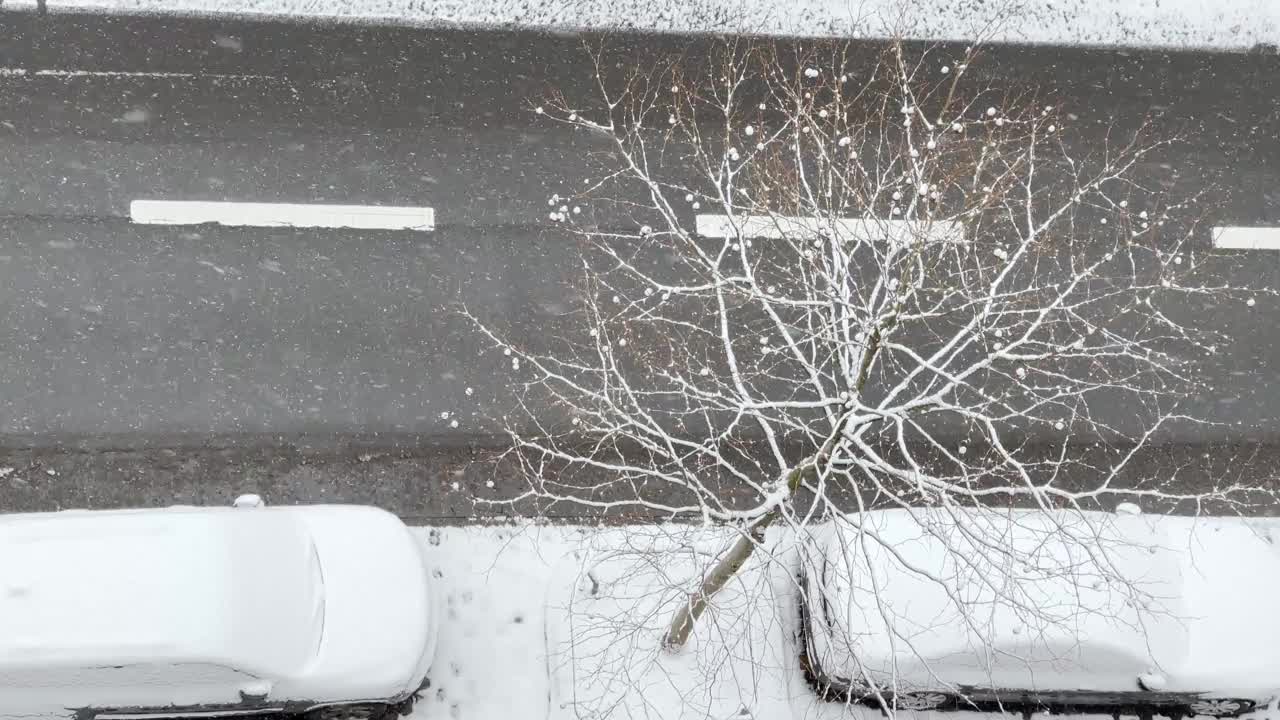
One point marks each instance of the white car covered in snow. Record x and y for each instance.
(923, 609)
(315, 611)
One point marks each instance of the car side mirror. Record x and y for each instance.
(249, 501)
(256, 691)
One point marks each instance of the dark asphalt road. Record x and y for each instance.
(141, 340)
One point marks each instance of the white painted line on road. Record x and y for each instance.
(249, 214)
(24, 72)
(776, 227)
(1246, 238)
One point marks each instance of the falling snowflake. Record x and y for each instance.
(915, 153)
(761, 106)
(671, 120)
(1177, 260)
(488, 483)
(1059, 425)
(957, 127)
(506, 351)
(946, 69)
(453, 423)
(844, 141)
(844, 78)
(822, 113)
(645, 230)
(444, 415)
(704, 372)
(573, 117)
(688, 197)
(963, 450)
(932, 144)
(1251, 302)
(991, 112)
(539, 110)
(454, 485)
(622, 342)
(468, 392)
(811, 73)
(764, 340)
(696, 206)
(759, 146)
(576, 421)
(1124, 203)
(749, 131)
(1104, 221)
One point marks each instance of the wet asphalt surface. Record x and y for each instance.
(151, 365)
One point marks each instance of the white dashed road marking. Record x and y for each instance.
(249, 214)
(120, 74)
(778, 227)
(1246, 238)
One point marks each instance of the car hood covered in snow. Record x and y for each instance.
(1046, 601)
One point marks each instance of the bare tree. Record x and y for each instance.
(821, 281)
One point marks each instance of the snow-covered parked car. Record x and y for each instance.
(320, 611)
(923, 609)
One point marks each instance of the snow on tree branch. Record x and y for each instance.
(815, 283)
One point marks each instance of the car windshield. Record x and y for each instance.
(278, 592)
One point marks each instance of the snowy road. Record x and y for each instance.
(131, 337)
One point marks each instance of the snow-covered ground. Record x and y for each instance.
(492, 581)
(1216, 24)
(529, 633)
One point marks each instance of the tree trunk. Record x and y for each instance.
(729, 565)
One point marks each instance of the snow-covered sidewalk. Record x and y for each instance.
(1184, 24)
(563, 623)
(492, 582)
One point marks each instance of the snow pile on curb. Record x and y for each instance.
(1194, 24)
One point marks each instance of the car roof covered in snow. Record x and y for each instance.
(233, 587)
(1026, 595)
